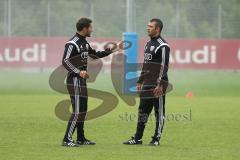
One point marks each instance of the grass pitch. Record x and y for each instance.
(29, 128)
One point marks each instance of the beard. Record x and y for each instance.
(88, 35)
(150, 34)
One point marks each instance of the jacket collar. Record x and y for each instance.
(155, 38)
(80, 36)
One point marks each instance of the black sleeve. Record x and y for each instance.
(98, 54)
(69, 49)
(163, 52)
(141, 78)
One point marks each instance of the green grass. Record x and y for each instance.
(31, 130)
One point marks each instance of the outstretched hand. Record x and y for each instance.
(114, 47)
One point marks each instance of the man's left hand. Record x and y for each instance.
(158, 91)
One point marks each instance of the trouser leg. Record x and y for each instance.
(145, 108)
(73, 89)
(159, 108)
(82, 110)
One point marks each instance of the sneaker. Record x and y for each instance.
(69, 144)
(85, 141)
(133, 141)
(155, 142)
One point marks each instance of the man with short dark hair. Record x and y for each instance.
(152, 83)
(75, 59)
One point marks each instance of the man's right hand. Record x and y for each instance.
(113, 47)
(84, 74)
(139, 87)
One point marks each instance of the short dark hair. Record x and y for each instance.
(159, 23)
(82, 23)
